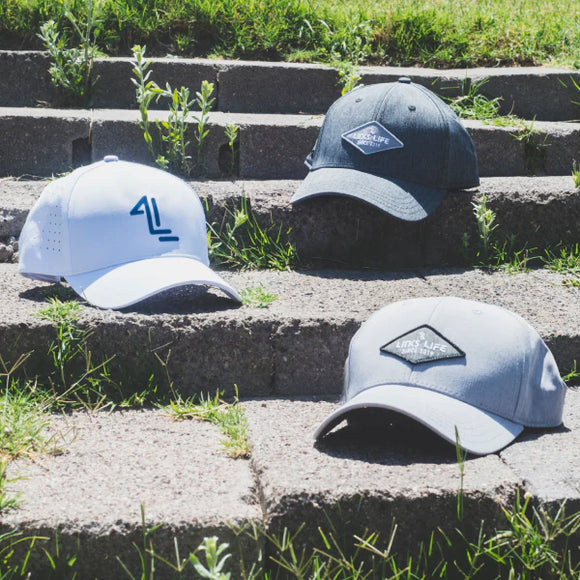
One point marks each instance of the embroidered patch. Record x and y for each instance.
(422, 345)
(371, 138)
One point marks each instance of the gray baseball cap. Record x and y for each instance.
(450, 364)
(396, 146)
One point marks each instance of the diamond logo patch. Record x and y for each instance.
(422, 345)
(371, 138)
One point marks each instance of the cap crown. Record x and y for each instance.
(111, 213)
(436, 149)
(495, 360)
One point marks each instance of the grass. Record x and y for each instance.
(257, 296)
(439, 33)
(472, 104)
(229, 417)
(508, 254)
(576, 174)
(241, 242)
(532, 542)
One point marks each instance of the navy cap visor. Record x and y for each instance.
(402, 199)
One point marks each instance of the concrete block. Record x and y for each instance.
(200, 341)
(544, 94)
(276, 148)
(117, 463)
(363, 481)
(114, 89)
(35, 144)
(260, 87)
(335, 231)
(24, 79)
(549, 459)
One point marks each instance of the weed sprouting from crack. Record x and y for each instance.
(472, 104)
(229, 417)
(576, 174)
(76, 380)
(257, 296)
(168, 145)
(72, 68)
(241, 242)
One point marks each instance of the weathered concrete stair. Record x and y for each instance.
(542, 93)
(286, 360)
(359, 482)
(297, 346)
(270, 146)
(341, 232)
(278, 108)
(292, 353)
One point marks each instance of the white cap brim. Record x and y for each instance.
(479, 432)
(126, 284)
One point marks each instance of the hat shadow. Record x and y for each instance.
(385, 437)
(189, 299)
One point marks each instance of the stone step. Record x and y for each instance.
(42, 142)
(541, 93)
(341, 232)
(200, 341)
(351, 484)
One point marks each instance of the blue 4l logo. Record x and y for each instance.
(149, 207)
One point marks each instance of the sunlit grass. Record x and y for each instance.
(441, 33)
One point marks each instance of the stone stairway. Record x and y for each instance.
(286, 360)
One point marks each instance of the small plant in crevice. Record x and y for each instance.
(214, 557)
(576, 174)
(572, 377)
(72, 68)
(167, 140)
(472, 104)
(239, 241)
(75, 381)
(257, 296)
(210, 563)
(485, 219)
(461, 456)
(564, 260)
(229, 161)
(490, 252)
(229, 417)
(348, 76)
(7, 500)
(205, 101)
(535, 146)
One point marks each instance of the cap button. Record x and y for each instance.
(405, 80)
(110, 158)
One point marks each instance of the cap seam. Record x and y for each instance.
(88, 169)
(441, 113)
(523, 372)
(380, 106)
(321, 132)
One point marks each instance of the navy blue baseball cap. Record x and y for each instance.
(394, 145)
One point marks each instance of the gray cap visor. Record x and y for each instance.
(479, 432)
(402, 199)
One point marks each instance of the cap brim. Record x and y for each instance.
(479, 432)
(126, 284)
(402, 199)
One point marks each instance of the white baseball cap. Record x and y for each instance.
(452, 363)
(118, 232)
